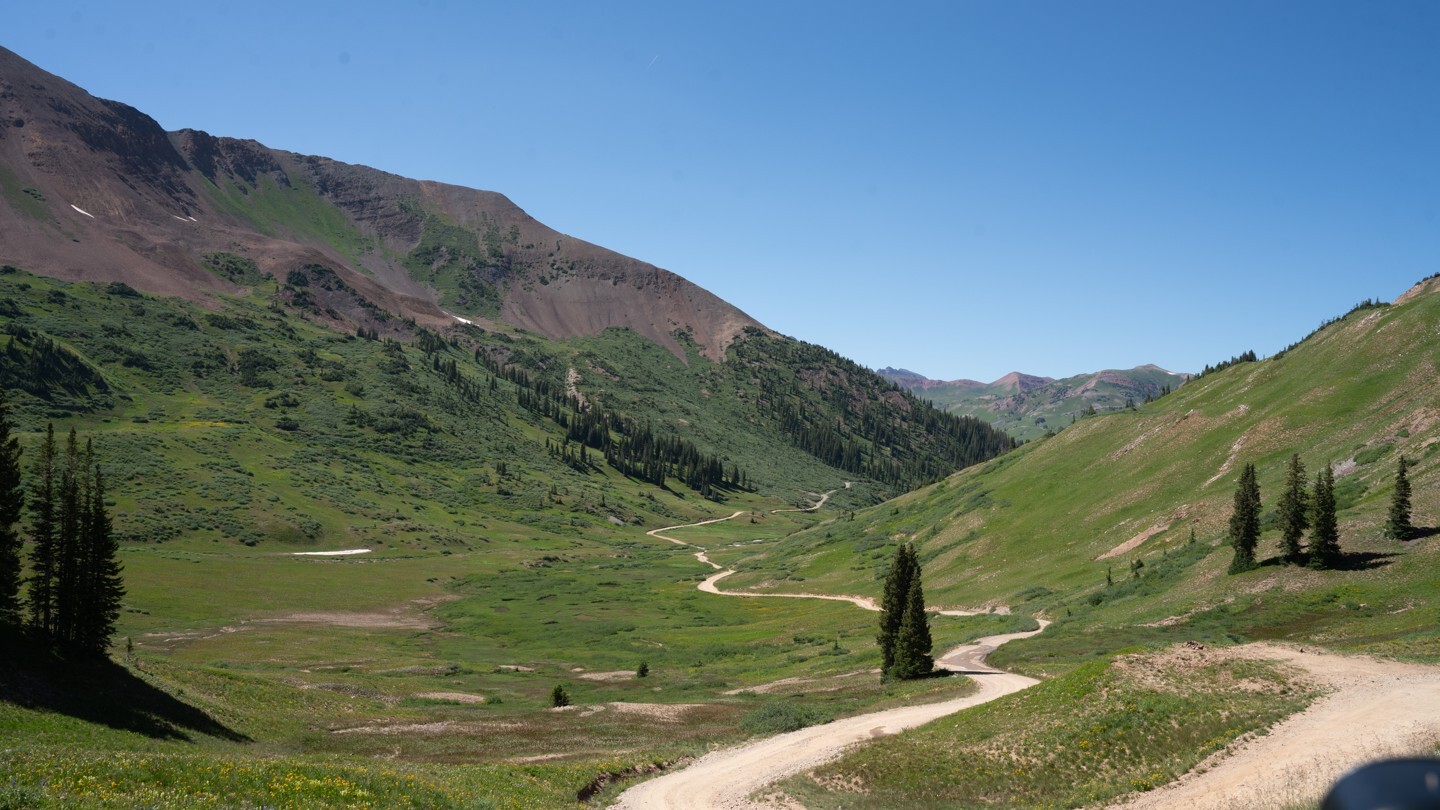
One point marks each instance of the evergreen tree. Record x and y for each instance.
(1294, 510)
(892, 605)
(44, 563)
(12, 500)
(559, 696)
(913, 642)
(101, 587)
(1398, 526)
(70, 517)
(1325, 531)
(1245, 521)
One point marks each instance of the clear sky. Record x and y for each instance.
(960, 188)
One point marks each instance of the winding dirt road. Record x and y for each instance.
(725, 779)
(1374, 709)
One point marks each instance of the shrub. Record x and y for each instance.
(779, 716)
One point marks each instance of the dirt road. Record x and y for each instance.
(724, 779)
(1377, 709)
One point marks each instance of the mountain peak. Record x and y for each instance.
(109, 195)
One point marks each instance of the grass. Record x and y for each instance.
(1106, 728)
(1031, 527)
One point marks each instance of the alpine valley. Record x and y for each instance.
(414, 494)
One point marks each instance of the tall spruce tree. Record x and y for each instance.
(44, 531)
(12, 501)
(101, 587)
(1245, 521)
(903, 570)
(1398, 526)
(913, 643)
(1325, 530)
(1294, 511)
(70, 519)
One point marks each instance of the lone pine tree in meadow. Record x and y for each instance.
(1325, 530)
(892, 603)
(1294, 510)
(905, 641)
(1245, 521)
(1398, 526)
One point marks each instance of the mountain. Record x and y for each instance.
(1026, 406)
(99, 192)
(95, 191)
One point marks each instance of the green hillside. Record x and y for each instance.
(1030, 529)
(1093, 528)
(502, 558)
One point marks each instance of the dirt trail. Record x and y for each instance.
(725, 779)
(1376, 709)
(814, 507)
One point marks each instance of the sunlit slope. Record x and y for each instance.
(1033, 529)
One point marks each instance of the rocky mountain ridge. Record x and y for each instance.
(98, 191)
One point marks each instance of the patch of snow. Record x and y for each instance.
(182, 219)
(331, 553)
(192, 219)
(82, 210)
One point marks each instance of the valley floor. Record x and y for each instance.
(725, 779)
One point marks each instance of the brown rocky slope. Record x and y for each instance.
(96, 190)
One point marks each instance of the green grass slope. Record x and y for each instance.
(499, 565)
(1093, 528)
(1040, 528)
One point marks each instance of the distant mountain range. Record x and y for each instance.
(1026, 406)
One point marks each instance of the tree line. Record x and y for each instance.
(630, 446)
(73, 592)
(1303, 508)
(850, 418)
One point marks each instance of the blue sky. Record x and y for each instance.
(960, 188)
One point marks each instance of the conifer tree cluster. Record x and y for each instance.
(1299, 510)
(74, 589)
(12, 501)
(904, 638)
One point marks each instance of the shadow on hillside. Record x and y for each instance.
(98, 691)
(1363, 560)
(1422, 532)
(1349, 560)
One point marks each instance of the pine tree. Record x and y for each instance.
(70, 517)
(892, 604)
(44, 563)
(1325, 531)
(12, 500)
(559, 696)
(1294, 511)
(101, 587)
(913, 642)
(1245, 521)
(1398, 526)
